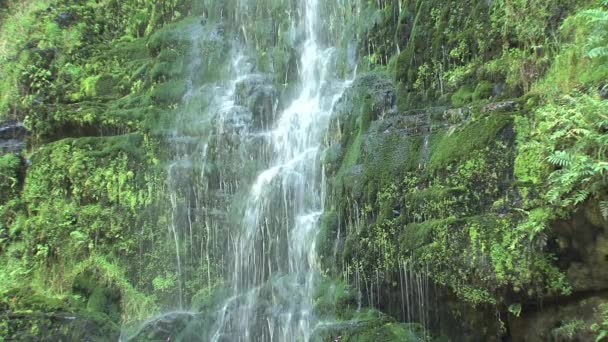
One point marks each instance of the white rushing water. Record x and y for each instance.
(274, 262)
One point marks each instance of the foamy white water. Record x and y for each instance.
(274, 259)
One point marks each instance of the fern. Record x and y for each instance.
(598, 52)
(595, 15)
(581, 196)
(596, 20)
(560, 158)
(574, 130)
(604, 209)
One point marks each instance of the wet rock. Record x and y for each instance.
(331, 157)
(581, 244)
(60, 326)
(177, 326)
(12, 137)
(66, 18)
(376, 90)
(498, 89)
(507, 106)
(257, 93)
(369, 98)
(456, 115)
(233, 120)
(561, 321)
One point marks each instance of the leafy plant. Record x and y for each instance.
(576, 131)
(598, 20)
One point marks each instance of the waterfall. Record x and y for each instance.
(274, 253)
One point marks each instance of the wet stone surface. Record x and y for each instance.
(12, 137)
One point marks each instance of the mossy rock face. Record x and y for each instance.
(106, 85)
(44, 326)
(371, 96)
(35, 317)
(426, 182)
(369, 326)
(327, 237)
(175, 36)
(257, 93)
(586, 268)
(12, 137)
(457, 145)
(100, 298)
(483, 91)
(565, 321)
(180, 327)
(334, 300)
(169, 93)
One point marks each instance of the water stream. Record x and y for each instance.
(274, 252)
(246, 190)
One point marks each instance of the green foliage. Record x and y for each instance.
(598, 20)
(173, 37)
(135, 305)
(483, 91)
(571, 134)
(601, 328)
(169, 93)
(579, 62)
(10, 173)
(462, 96)
(515, 309)
(569, 329)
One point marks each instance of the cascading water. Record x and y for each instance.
(274, 253)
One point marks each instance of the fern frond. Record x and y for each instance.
(581, 196)
(598, 52)
(560, 158)
(604, 209)
(553, 196)
(600, 168)
(602, 123)
(594, 15)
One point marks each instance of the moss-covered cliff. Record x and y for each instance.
(466, 165)
(481, 189)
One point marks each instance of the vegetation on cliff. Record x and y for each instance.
(468, 154)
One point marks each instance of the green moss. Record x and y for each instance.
(106, 85)
(104, 147)
(463, 96)
(457, 145)
(163, 71)
(483, 91)
(416, 235)
(173, 37)
(169, 93)
(334, 300)
(368, 114)
(35, 316)
(369, 326)
(388, 156)
(97, 301)
(352, 156)
(328, 231)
